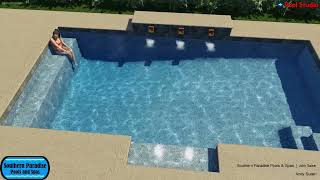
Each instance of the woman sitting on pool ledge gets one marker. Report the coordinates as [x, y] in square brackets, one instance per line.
[60, 47]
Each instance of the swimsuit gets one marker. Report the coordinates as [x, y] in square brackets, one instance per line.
[60, 43]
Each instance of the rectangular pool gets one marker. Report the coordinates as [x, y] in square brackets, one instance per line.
[186, 92]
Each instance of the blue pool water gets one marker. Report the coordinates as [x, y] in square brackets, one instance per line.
[198, 103]
[235, 94]
[241, 92]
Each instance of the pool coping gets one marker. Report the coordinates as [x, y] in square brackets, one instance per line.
[14, 140]
[23, 85]
[182, 19]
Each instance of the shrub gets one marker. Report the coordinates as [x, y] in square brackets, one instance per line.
[236, 8]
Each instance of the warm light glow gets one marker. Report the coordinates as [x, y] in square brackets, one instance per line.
[188, 153]
[158, 151]
[210, 46]
[150, 43]
[180, 45]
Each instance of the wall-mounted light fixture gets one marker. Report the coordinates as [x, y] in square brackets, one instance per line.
[180, 31]
[151, 29]
[211, 32]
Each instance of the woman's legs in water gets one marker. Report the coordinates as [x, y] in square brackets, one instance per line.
[71, 54]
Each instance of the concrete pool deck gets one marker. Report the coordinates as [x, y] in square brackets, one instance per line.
[25, 33]
[76, 156]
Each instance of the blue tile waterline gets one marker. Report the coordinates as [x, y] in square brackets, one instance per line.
[242, 93]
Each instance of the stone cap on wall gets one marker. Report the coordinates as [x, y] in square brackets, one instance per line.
[183, 19]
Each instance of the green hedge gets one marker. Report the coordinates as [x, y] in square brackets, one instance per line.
[236, 8]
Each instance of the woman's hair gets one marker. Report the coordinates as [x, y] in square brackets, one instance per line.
[56, 31]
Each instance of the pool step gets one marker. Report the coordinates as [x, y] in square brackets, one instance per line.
[316, 138]
[300, 132]
[170, 156]
[295, 137]
[312, 142]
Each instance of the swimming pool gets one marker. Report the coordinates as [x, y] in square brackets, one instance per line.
[184, 92]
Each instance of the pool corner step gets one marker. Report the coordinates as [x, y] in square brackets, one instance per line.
[295, 137]
[316, 138]
[170, 156]
[299, 133]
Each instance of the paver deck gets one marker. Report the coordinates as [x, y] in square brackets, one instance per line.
[93, 156]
